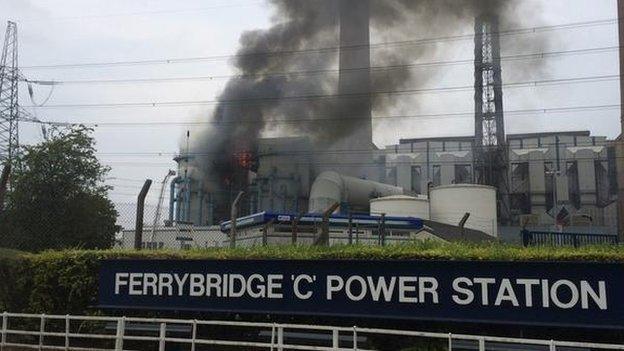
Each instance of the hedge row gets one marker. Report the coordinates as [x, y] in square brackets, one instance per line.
[60, 282]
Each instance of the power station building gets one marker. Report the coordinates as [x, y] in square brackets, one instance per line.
[541, 179]
[574, 169]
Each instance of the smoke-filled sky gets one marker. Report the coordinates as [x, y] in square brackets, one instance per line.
[76, 31]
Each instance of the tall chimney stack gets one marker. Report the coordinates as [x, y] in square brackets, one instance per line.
[354, 80]
[352, 155]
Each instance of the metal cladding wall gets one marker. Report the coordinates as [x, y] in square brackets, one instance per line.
[581, 294]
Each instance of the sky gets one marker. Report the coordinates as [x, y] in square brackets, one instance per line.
[68, 32]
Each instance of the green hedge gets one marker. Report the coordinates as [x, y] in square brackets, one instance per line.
[60, 282]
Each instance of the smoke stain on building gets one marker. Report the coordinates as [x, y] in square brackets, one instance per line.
[330, 115]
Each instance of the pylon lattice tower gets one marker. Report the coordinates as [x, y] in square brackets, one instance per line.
[9, 107]
[491, 166]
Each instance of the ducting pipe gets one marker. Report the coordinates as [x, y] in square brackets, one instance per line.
[331, 187]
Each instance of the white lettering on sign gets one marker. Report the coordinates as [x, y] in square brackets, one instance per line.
[561, 294]
[406, 289]
[297, 286]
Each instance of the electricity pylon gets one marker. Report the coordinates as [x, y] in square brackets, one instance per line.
[9, 107]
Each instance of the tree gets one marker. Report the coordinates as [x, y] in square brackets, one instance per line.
[58, 198]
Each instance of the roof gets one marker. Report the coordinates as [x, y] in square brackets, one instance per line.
[263, 218]
[401, 197]
[438, 139]
[580, 133]
[445, 232]
[449, 232]
[583, 133]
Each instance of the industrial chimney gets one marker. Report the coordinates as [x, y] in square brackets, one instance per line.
[354, 81]
[352, 155]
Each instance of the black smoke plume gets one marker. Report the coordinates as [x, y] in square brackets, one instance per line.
[304, 37]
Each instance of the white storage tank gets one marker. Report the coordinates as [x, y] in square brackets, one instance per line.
[449, 203]
[401, 206]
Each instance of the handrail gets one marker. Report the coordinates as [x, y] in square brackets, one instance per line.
[39, 339]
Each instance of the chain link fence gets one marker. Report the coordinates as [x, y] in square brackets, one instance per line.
[160, 232]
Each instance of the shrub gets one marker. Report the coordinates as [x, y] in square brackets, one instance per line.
[61, 282]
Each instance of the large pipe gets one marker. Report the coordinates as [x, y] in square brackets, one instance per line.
[187, 206]
[201, 208]
[172, 197]
[331, 187]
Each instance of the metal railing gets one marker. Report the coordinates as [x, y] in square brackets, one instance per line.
[34, 331]
[539, 238]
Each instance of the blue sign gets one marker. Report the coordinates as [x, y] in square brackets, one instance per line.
[530, 293]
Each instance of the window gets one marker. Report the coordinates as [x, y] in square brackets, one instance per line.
[549, 181]
[437, 175]
[613, 187]
[520, 188]
[602, 183]
[573, 184]
[391, 175]
[463, 174]
[416, 179]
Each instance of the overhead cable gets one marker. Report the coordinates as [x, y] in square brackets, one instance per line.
[330, 49]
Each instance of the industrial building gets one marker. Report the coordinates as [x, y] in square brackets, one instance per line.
[179, 237]
[574, 169]
[539, 180]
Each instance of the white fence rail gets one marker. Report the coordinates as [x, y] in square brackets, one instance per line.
[90, 333]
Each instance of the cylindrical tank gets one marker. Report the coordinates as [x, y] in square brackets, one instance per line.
[449, 203]
[401, 206]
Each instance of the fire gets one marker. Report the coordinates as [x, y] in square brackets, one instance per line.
[244, 159]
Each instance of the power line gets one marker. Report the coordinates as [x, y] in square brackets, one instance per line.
[435, 116]
[374, 69]
[142, 13]
[298, 98]
[470, 36]
[127, 179]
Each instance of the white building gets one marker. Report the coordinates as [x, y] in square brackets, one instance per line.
[176, 237]
[280, 229]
